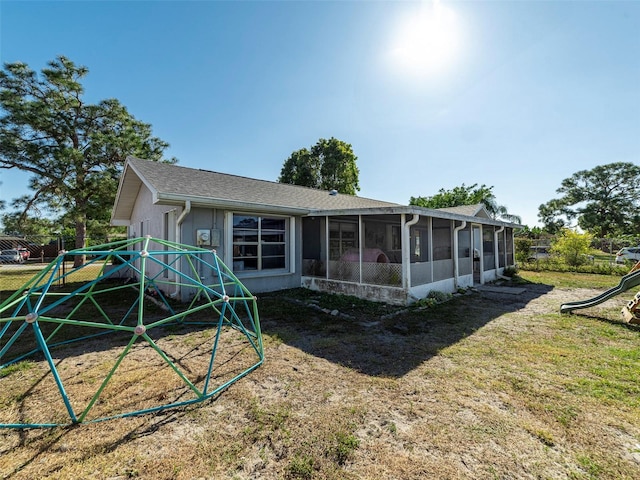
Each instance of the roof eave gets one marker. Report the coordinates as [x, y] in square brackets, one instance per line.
[199, 201]
[130, 179]
[428, 212]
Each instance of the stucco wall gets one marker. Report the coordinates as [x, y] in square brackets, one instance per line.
[376, 293]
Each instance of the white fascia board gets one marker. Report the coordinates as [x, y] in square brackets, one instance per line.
[198, 201]
[120, 223]
[412, 210]
[152, 189]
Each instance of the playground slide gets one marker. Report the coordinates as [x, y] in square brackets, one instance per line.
[630, 280]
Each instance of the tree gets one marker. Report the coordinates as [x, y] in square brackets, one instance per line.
[75, 150]
[605, 201]
[572, 247]
[16, 224]
[328, 165]
[522, 249]
[466, 195]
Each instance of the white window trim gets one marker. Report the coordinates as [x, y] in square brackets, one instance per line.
[290, 260]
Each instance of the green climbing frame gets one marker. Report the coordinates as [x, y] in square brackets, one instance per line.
[136, 300]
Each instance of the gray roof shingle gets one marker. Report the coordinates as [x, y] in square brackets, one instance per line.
[174, 180]
[174, 185]
[475, 210]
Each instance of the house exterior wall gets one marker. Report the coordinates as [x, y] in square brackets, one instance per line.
[354, 254]
[149, 219]
[375, 293]
[159, 221]
[421, 291]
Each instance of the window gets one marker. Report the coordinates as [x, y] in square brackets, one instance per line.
[259, 243]
[343, 237]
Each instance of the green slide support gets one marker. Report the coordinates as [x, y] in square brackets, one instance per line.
[630, 280]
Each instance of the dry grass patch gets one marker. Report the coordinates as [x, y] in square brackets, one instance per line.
[486, 385]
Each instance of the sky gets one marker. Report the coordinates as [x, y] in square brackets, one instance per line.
[514, 95]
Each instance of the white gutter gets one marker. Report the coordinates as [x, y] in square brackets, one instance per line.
[406, 247]
[175, 198]
[360, 248]
[179, 220]
[495, 248]
[456, 260]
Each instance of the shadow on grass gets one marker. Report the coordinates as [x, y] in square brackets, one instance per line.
[388, 345]
[115, 309]
[44, 441]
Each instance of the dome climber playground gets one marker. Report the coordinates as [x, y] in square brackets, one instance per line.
[142, 325]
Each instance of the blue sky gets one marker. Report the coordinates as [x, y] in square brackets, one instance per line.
[517, 95]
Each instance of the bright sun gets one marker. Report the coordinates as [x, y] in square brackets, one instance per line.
[426, 42]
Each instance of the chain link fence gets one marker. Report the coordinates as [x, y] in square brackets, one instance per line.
[21, 257]
[32, 248]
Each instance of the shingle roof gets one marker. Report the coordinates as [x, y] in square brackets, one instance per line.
[476, 210]
[169, 183]
[173, 185]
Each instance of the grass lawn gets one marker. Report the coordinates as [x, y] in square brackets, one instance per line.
[485, 385]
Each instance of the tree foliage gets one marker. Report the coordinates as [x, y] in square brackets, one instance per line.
[605, 201]
[17, 224]
[328, 165]
[466, 195]
[522, 249]
[74, 150]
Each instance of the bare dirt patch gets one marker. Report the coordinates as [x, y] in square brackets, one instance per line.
[487, 385]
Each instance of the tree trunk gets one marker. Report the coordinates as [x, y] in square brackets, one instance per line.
[81, 240]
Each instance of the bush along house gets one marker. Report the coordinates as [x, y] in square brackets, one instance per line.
[278, 236]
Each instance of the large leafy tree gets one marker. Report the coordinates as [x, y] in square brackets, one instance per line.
[74, 150]
[605, 201]
[328, 165]
[466, 195]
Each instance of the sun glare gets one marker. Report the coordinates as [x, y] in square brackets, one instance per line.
[426, 42]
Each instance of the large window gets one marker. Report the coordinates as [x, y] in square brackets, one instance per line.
[259, 243]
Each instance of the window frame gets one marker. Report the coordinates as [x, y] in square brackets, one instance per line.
[253, 241]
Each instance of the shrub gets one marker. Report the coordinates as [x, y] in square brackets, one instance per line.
[556, 265]
[522, 249]
[439, 297]
[573, 247]
[510, 271]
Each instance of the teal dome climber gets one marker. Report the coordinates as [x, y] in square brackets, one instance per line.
[143, 325]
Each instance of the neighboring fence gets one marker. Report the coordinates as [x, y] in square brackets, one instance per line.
[34, 251]
[35, 248]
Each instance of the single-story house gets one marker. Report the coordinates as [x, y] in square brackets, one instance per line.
[277, 236]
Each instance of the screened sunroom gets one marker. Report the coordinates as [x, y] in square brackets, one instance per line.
[400, 256]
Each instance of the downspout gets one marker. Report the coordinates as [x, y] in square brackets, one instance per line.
[456, 260]
[327, 273]
[179, 220]
[360, 249]
[406, 247]
[495, 247]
